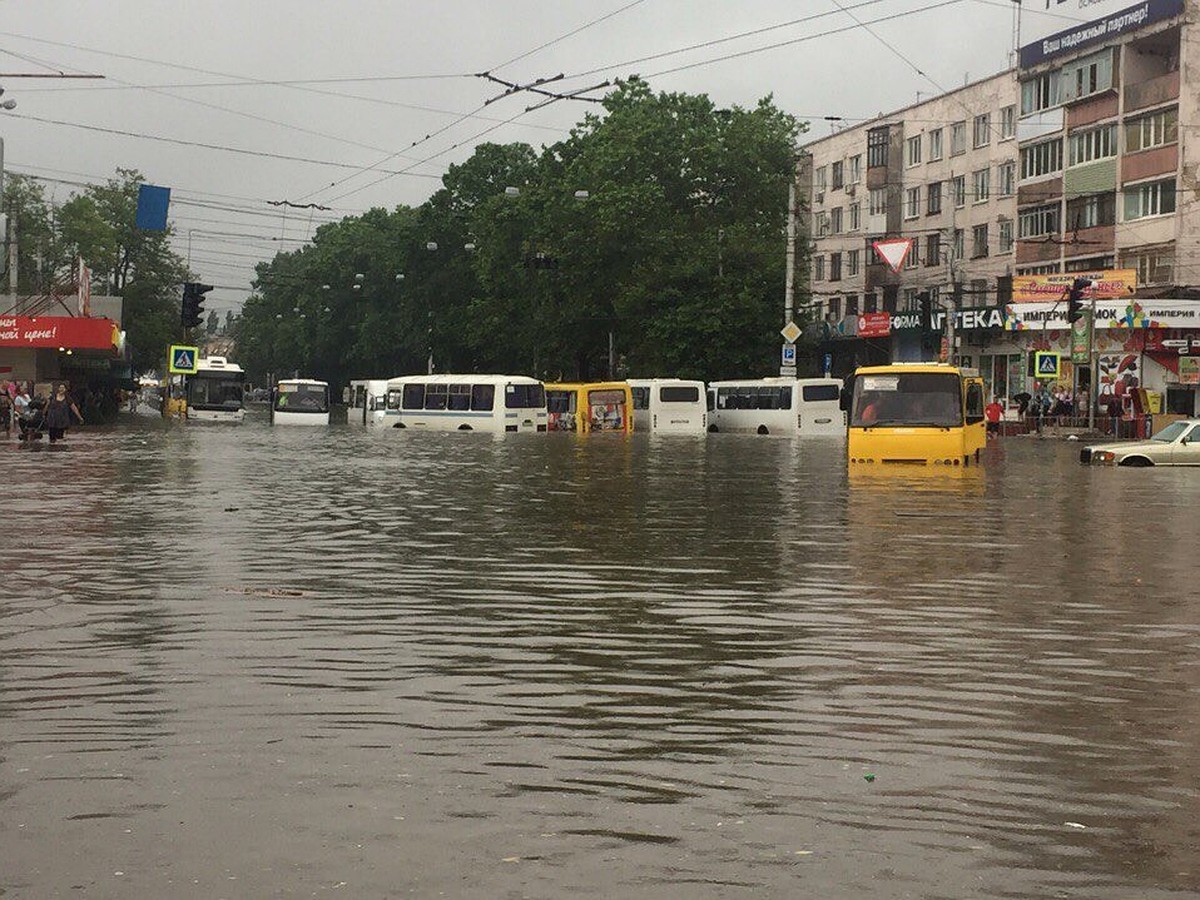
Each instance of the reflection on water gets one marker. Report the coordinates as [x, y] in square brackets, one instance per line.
[256, 662]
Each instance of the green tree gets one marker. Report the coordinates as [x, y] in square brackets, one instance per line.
[31, 223]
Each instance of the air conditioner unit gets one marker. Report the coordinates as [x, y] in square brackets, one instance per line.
[820, 197]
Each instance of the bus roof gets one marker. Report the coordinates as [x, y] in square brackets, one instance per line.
[895, 368]
[587, 385]
[305, 381]
[772, 382]
[467, 378]
[216, 364]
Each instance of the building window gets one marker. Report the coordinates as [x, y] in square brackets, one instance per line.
[1091, 145]
[851, 263]
[1006, 236]
[1041, 159]
[1040, 93]
[911, 261]
[852, 304]
[1087, 76]
[1153, 130]
[1006, 177]
[982, 130]
[835, 170]
[821, 226]
[855, 216]
[958, 138]
[818, 268]
[1049, 269]
[933, 249]
[835, 308]
[913, 151]
[877, 202]
[855, 169]
[819, 180]
[870, 304]
[933, 198]
[1008, 122]
[983, 185]
[1154, 199]
[935, 145]
[958, 187]
[1088, 212]
[910, 299]
[912, 203]
[1039, 221]
[958, 251]
[979, 241]
[1090, 264]
[877, 147]
[1153, 267]
[835, 267]
[835, 221]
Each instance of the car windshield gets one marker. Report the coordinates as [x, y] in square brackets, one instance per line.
[913, 399]
[1170, 433]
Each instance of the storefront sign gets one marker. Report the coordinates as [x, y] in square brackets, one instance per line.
[1189, 370]
[1118, 18]
[71, 333]
[1106, 285]
[1081, 339]
[1135, 314]
[984, 318]
[876, 324]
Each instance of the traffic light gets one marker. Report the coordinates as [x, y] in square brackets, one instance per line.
[191, 312]
[926, 300]
[1075, 299]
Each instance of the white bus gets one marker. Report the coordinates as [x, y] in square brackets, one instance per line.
[669, 406]
[214, 393]
[494, 403]
[803, 406]
[300, 401]
[367, 402]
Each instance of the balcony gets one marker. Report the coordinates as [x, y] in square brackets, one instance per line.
[1152, 91]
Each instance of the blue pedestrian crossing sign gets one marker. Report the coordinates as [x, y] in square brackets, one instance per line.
[182, 359]
[1046, 365]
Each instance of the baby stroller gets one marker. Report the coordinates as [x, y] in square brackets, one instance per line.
[32, 421]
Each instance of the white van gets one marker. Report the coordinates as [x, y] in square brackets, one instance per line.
[300, 401]
[802, 406]
[669, 406]
[366, 402]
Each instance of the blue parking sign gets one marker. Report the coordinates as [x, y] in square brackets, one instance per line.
[789, 354]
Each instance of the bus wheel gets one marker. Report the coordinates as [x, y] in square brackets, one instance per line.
[464, 427]
[713, 429]
[762, 429]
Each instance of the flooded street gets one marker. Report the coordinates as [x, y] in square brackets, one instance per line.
[255, 662]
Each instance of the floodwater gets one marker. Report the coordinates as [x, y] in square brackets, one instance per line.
[245, 662]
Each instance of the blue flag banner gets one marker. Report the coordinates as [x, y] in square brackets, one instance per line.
[152, 207]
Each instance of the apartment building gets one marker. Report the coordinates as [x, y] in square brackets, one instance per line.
[1108, 178]
[943, 173]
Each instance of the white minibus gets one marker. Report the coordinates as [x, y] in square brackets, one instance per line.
[300, 401]
[494, 403]
[367, 402]
[803, 406]
[669, 406]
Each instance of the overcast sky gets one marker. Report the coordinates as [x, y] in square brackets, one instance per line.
[149, 49]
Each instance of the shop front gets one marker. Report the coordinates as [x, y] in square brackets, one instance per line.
[42, 349]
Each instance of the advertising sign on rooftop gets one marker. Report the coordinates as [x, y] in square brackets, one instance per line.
[1051, 28]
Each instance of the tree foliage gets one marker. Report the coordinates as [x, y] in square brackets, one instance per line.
[99, 225]
[676, 248]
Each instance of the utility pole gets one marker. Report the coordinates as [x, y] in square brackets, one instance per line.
[1094, 365]
[789, 284]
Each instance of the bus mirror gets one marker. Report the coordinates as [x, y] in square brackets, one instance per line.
[844, 399]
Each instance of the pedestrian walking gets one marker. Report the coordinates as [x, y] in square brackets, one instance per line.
[993, 412]
[58, 413]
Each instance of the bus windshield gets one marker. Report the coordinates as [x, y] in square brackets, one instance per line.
[524, 396]
[301, 398]
[913, 399]
[214, 392]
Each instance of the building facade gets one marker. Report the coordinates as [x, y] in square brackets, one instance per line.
[1081, 159]
[941, 173]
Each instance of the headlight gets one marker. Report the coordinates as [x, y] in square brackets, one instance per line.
[1103, 457]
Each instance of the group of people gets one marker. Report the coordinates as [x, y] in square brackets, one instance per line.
[30, 413]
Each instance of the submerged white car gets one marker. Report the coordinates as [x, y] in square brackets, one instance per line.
[1176, 445]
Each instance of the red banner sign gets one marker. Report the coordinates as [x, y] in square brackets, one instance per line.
[876, 324]
[58, 331]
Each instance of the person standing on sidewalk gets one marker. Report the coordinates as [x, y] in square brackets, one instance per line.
[58, 413]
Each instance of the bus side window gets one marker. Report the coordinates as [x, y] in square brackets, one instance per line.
[641, 398]
[414, 396]
[974, 403]
[483, 397]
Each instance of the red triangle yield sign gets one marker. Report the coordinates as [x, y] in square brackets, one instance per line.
[893, 252]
